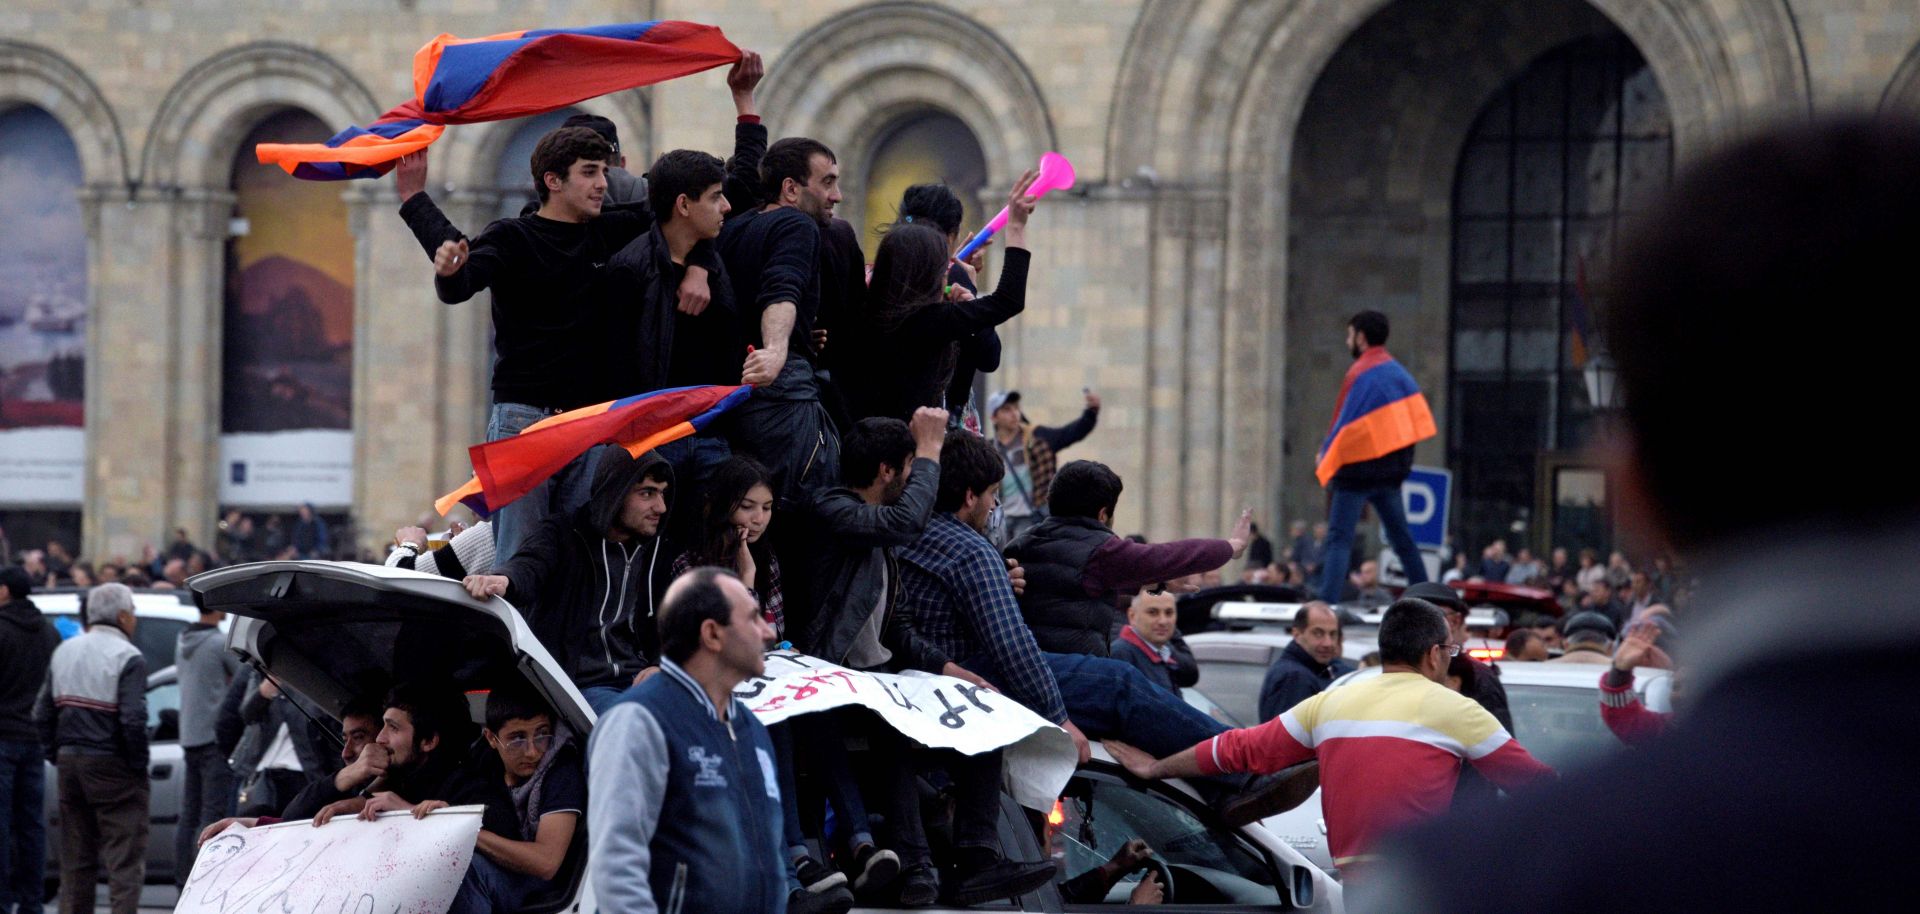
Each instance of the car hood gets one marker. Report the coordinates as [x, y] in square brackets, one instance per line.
[335, 630]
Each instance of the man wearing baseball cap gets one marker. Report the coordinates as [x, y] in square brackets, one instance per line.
[1031, 455]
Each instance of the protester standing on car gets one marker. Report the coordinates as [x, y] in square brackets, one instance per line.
[1368, 452]
[1305, 668]
[93, 723]
[1390, 747]
[27, 642]
[683, 802]
[204, 667]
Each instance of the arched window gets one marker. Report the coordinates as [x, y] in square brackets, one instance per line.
[287, 374]
[1553, 165]
[43, 331]
[922, 148]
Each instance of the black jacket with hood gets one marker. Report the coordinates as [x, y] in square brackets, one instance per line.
[591, 600]
[27, 641]
[853, 562]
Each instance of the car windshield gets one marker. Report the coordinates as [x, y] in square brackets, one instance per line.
[1559, 725]
[163, 697]
[1206, 705]
[1101, 816]
[155, 637]
[1235, 687]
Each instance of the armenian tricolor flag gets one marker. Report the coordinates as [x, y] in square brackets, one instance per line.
[1380, 410]
[509, 468]
[513, 74]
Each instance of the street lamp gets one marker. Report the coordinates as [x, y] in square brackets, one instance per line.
[1602, 379]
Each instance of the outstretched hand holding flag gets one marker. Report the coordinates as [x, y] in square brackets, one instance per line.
[513, 74]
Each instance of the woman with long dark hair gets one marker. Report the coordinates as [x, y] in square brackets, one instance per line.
[915, 318]
[731, 533]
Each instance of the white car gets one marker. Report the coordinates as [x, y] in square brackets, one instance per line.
[1556, 716]
[1234, 664]
[330, 630]
[163, 614]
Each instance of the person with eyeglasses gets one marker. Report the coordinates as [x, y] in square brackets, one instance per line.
[1390, 746]
[542, 769]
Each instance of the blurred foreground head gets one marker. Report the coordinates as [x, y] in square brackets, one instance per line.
[1756, 316]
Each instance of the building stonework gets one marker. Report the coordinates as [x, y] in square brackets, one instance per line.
[1251, 173]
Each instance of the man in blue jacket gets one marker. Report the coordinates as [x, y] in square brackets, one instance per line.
[683, 802]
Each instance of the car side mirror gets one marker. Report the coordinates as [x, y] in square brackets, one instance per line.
[168, 729]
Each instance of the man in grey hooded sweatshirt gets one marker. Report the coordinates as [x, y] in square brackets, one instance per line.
[588, 583]
[204, 667]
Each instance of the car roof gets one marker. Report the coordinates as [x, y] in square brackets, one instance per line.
[163, 604]
[335, 630]
[1559, 675]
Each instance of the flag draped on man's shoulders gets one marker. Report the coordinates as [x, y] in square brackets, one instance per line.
[509, 75]
[509, 468]
[1380, 410]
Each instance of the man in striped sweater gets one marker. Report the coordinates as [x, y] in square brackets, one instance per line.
[1389, 747]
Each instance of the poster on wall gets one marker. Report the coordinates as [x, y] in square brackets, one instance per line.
[287, 373]
[43, 314]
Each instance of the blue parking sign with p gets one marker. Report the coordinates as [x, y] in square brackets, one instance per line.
[1425, 498]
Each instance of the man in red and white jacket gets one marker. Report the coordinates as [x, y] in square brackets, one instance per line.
[1389, 747]
[1632, 722]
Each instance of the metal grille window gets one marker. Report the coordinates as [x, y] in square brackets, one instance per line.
[1553, 164]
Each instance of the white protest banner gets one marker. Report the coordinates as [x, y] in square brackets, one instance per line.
[938, 711]
[395, 864]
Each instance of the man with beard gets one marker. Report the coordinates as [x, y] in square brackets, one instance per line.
[426, 734]
[1368, 452]
[589, 582]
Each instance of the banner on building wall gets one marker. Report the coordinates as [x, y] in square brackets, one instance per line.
[347, 866]
[43, 314]
[937, 711]
[287, 347]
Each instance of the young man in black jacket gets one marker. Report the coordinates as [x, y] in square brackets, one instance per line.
[589, 581]
[657, 340]
[27, 641]
[543, 270]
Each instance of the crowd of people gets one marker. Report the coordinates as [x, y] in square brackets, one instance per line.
[858, 509]
[301, 534]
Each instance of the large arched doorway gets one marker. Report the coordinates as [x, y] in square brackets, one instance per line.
[1552, 165]
[287, 334]
[925, 147]
[43, 333]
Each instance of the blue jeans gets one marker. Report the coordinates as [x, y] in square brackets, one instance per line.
[23, 830]
[490, 887]
[1111, 698]
[600, 698]
[819, 746]
[564, 492]
[694, 458]
[1341, 518]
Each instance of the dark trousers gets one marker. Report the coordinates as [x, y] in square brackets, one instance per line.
[974, 787]
[206, 797]
[23, 828]
[103, 821]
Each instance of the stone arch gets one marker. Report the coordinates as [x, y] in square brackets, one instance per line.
[218, 101]
[1902, 95]
[1209, 111]
[859, 73]
[466, 156]
[37, 76]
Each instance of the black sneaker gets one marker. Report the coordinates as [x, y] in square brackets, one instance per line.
[997, 880]
[1270, 794]
[817, 877]
[874, 868]
[919, 887]
[836, 900]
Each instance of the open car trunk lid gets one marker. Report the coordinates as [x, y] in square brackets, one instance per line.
[336, 630]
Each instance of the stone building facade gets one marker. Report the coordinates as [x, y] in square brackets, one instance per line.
[1251, 173]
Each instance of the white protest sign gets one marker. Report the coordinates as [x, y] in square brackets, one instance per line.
[937, 711]
[395, 864]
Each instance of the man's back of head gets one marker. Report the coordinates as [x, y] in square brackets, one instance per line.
[1708, 319]
[873, 443]
[1084, 488]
